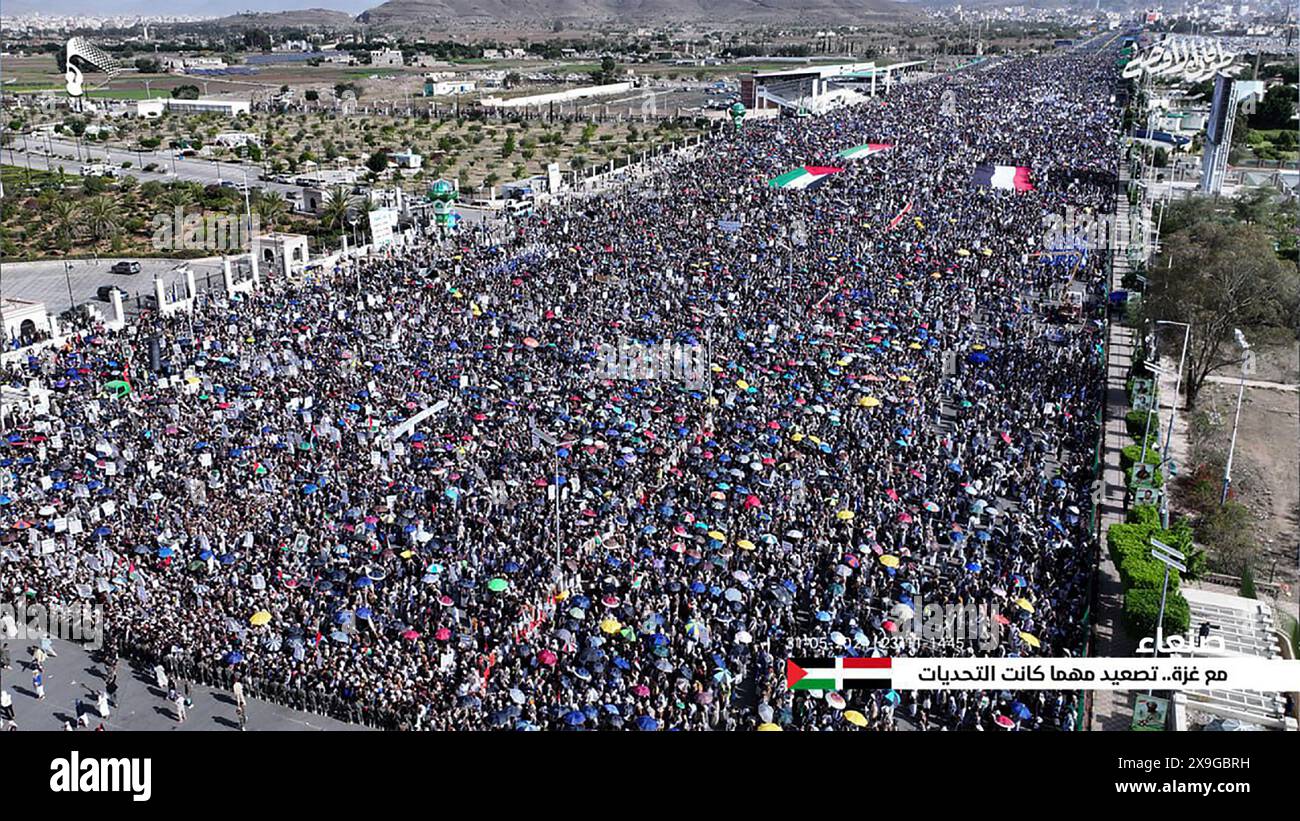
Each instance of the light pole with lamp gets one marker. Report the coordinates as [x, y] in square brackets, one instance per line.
[1241, 392]
[1173, 405]
[555, 444]
[1171, 559]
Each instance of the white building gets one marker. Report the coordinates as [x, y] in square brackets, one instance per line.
[387, 58]
[209, 105]
[235, 139]
[283, 253]
[449, 87]
[406, 160]
[22, 319]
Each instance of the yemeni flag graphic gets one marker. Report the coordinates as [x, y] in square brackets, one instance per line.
[805, 176]
[864, 150]
[838, 674]
[1005, 177]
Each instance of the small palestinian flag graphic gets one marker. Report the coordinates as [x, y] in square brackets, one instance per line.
[864, 150]
[1005, 177]
[805, 176]
[838, 674]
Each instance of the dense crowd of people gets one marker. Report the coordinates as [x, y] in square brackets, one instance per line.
[893, 413]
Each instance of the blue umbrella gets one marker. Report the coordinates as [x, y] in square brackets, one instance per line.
[234, 657]
[973, 567]
[647, 723]
[574, 718]
[165, 552]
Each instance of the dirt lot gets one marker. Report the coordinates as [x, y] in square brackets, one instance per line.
[1266, 466]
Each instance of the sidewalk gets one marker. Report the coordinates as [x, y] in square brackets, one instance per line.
[1114, 710]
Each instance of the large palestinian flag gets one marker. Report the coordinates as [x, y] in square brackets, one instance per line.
[838, 674]
[864, 150]
[1006, 177]
[805, 176]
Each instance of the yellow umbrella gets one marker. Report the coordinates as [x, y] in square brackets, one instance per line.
[869, 402]
[844, 515]
[745, 544]
[904, 378]
[889, 561]
[977, 347]
[562, 595]
[1024, 604]
[797, 437]
[742, 384]
[916, 346]
[855, 718]
[611, 626]
[716, 368]
[768, 728]
[988, 252]
[406, 554]
[717, 534]
[260, 618]
[1030, 639]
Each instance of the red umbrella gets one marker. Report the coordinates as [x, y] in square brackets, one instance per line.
[1005, 722]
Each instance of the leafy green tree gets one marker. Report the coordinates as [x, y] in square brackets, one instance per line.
[1218, 276]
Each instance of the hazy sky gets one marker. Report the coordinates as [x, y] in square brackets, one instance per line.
[204, 8]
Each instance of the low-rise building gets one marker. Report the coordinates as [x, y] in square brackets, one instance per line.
[386, 58]
[204, 105]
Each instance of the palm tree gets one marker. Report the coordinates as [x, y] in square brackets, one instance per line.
[271, 208]
[177, 197]
[337, 207]
[102, 217]
[65, 215]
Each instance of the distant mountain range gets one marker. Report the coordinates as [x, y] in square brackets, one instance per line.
[298, 18]
[444, 14]
[409, 12]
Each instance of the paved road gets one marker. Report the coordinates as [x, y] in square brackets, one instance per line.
[48, 282]
[67, 154]
[1253, 383]
[72, 675]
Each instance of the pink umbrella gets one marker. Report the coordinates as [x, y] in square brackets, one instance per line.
[411, 635]
[641, 690]
[444, 600]
[547, 657]
[529, 342]
[443, 634]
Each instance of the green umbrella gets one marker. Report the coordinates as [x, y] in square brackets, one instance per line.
[497, 585]
[117, 387]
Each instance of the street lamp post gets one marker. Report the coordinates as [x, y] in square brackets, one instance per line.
[67, 275]
[1173, 410]
[1172, 560]
[555, 444]
[1241, 392]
